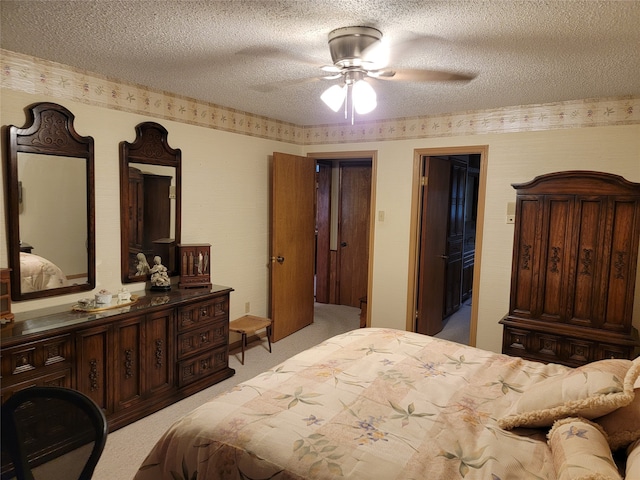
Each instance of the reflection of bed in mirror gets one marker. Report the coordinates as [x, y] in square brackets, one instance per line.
[37, 273]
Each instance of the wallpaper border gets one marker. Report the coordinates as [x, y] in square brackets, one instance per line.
[36, 76]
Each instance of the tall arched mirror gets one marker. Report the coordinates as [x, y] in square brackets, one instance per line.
[150, 198]
[50, 193]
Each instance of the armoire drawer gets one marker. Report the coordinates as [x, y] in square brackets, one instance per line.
[515, 341]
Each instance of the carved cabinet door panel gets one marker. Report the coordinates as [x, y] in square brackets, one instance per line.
[93, 365]
[127, 385]
[555, 255]
[159, 362]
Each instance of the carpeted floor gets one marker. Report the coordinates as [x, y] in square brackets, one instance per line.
[456, 327]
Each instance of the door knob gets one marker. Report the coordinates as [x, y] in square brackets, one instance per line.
[444, 257]
[343, 244]
[279, 259]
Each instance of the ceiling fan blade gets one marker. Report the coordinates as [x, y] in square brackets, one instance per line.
[411, 75]
[273, 86]
[279, 54]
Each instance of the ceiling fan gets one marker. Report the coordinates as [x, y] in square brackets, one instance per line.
[358, 53]
[360, 49]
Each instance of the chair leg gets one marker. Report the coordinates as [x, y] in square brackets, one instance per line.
[269, 337]
[244, 343]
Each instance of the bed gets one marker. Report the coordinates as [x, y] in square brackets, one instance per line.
[387, 404]
[38, 273]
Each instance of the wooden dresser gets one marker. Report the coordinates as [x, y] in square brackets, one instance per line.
[574, 267]
[133, 360]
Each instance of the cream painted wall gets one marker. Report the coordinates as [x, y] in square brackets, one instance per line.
[224, 198]
[225, 202]
[512, 157]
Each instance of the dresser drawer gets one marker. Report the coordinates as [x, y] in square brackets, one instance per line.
[212, 335]
[36, 358]
[202, 365]
[192, 316]
[55, 379]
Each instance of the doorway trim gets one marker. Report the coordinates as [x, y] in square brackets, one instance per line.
[414, 245]
[358, 155]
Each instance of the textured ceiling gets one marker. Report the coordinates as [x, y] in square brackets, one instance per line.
[224, 52]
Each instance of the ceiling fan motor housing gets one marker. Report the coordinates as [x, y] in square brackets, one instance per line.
[349, 45]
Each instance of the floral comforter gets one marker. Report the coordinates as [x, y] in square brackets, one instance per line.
[368, 404]
[38, 273]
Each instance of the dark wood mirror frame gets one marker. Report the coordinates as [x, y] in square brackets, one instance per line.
[149, 148]
[49, 131]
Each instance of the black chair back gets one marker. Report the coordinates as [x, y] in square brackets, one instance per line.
[43, 425]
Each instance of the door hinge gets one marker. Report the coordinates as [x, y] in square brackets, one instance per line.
[424, 181]
[417, 314]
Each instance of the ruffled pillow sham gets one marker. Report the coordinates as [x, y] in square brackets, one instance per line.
[589, 391]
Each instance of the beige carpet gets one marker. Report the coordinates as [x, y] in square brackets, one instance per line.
[127, 447]
[457, 326]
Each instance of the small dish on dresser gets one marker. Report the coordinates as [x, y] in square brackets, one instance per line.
[85, 302]
[103, 297]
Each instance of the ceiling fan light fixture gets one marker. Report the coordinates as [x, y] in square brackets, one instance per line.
[334, 96]
[364, 97]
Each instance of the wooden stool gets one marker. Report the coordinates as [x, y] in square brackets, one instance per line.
[250, 324]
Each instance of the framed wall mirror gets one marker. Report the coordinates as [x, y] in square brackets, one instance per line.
[150, 199]
[50, 205]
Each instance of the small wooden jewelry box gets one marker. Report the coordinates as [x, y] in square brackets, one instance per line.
[194, 260]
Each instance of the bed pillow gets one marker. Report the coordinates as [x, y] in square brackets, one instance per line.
[633, 461]
[580, 450]
[623, 425]
[589, 391]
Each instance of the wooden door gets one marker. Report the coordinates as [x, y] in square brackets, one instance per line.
[455, 237]
[323, 232]
[433, 244]
[292, 243]
[353, 232]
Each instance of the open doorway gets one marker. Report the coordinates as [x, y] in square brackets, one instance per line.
[446, 231]
[344, 228]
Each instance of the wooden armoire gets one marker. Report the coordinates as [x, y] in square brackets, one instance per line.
[573, 277]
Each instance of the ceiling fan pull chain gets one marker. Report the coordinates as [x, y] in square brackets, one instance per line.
[346, 103]
[352, 104]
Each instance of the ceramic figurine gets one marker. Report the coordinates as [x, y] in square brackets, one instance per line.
[143, 266]
[159, 276]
